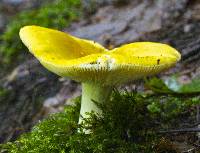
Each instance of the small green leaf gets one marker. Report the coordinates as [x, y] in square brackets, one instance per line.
[173, 85]
[157, 85]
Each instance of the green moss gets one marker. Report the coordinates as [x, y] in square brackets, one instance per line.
[58, 14]
[127, 125]
[3, 92]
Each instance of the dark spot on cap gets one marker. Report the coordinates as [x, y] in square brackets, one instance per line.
[94, 62]
[158, 61]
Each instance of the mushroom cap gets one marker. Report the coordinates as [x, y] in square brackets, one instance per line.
[87, 61]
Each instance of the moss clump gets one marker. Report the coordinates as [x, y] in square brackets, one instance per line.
[3, 92]
[57, 14]
[126, 126]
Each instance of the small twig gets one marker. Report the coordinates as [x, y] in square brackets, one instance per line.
[189, 151]
[181, 130]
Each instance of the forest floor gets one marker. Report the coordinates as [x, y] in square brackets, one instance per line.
[174, 22]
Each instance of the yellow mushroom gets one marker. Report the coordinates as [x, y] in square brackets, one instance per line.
[97, 68]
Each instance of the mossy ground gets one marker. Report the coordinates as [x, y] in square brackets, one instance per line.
[130, 123]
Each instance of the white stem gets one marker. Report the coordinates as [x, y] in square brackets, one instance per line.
[90, 93]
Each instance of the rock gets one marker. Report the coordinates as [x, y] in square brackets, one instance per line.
[90, 6]
[26, 88]
[69, 90]
[128, 24]
[100, 32]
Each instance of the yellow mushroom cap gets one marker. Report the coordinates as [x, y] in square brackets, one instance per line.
[87, 61]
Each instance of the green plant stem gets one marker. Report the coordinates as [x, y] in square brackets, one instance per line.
[91, 93]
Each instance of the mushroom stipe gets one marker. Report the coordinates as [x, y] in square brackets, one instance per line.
[97, 68]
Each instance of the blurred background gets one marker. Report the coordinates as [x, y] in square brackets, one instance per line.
[28, 92]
